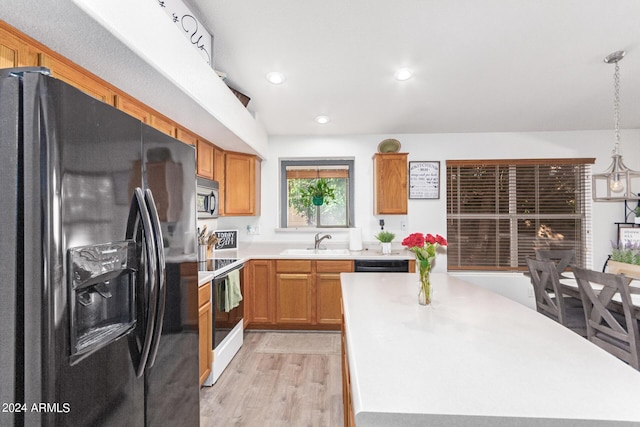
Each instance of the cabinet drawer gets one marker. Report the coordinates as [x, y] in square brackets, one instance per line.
[204, 294]
[293, 266]
[334, 266]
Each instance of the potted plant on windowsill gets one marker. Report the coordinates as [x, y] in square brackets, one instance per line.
[385, 238]
[317, 193]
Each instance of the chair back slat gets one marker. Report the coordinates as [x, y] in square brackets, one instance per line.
[615, 332]
[546, 287]
[562, 258]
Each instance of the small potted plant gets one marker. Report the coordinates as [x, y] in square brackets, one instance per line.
[636, 211]
[385, 238]
[318, 193]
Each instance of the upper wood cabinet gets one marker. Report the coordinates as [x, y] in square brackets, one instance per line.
[241, 184]
[205, 159]
[186, 137]
[219, 175]
[163, 125]
[390, 183]
[76, 76]
[15, 52]
[133, 107]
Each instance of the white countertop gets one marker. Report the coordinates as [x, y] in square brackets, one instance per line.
[473, 358]
[274, 251]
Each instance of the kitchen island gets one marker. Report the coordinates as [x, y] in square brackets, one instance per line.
[472, 358]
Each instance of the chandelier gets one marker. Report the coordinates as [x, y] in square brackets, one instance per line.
[617, 182]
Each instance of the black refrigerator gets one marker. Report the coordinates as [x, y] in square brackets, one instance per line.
[98, 299]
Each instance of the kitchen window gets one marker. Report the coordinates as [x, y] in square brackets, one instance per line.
[299, 174]
[500, 211]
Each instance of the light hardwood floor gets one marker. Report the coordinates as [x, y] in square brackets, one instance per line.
[278, 379]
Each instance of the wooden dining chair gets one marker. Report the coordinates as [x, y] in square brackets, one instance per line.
[562, 258]
[615, 332]
[550, 300]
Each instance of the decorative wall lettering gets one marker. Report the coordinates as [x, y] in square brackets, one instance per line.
[189, 25]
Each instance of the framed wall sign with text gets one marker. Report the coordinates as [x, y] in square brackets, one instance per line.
[424, 180]
[227, 239]
[628, 235]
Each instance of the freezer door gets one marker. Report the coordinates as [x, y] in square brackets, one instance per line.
[9, 205]
[80, 158]
[172, 380]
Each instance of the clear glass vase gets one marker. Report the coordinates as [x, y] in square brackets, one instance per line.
[424, 294]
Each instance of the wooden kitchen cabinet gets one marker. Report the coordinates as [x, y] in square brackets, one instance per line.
[347, 402]
[204, 154]
[390, 183]
[186, 137]
[205, 334]
[219, 175]
[77, 77]
[15, 51]
[241, 184]
[163, 124]
[294, 293]
[328, 291]
[132, 107]
[260, 293]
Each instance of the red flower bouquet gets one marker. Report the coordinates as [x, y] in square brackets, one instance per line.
[424, 247]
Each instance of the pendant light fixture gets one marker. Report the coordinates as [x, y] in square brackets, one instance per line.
[618, 182]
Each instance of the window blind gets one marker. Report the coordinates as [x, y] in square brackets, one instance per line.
[500, 211]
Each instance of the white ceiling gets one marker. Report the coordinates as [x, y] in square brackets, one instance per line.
[480, 65]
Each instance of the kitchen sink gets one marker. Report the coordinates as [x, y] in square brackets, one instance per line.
[316, 252]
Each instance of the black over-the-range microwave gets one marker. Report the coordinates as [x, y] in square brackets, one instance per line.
[207, 198]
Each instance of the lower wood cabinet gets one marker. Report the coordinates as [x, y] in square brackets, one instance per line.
[259, 294]
[294, 294]
[294, 299]
[205, 334]
[347, 403]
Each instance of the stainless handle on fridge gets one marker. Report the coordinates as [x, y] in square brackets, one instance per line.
[138, 207]
[160, 278]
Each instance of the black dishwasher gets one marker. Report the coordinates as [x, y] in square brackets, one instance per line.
[381, 265]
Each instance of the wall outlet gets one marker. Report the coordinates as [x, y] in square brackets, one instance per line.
[403, 225]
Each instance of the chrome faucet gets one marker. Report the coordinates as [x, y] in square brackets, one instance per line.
[319, 239]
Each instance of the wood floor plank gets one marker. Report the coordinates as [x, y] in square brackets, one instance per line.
[276, 389]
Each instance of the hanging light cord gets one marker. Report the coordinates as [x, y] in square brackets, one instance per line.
[616, 107]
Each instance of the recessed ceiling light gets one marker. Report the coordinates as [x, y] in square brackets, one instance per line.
[403, 74]
[322, 120]
[275, 77]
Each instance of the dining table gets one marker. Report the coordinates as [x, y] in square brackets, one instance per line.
[472, 358]
[569, 286]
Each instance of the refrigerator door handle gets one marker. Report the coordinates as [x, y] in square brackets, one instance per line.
[138, 207]
[161, 276]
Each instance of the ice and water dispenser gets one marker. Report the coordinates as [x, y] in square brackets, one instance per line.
[101, 295]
